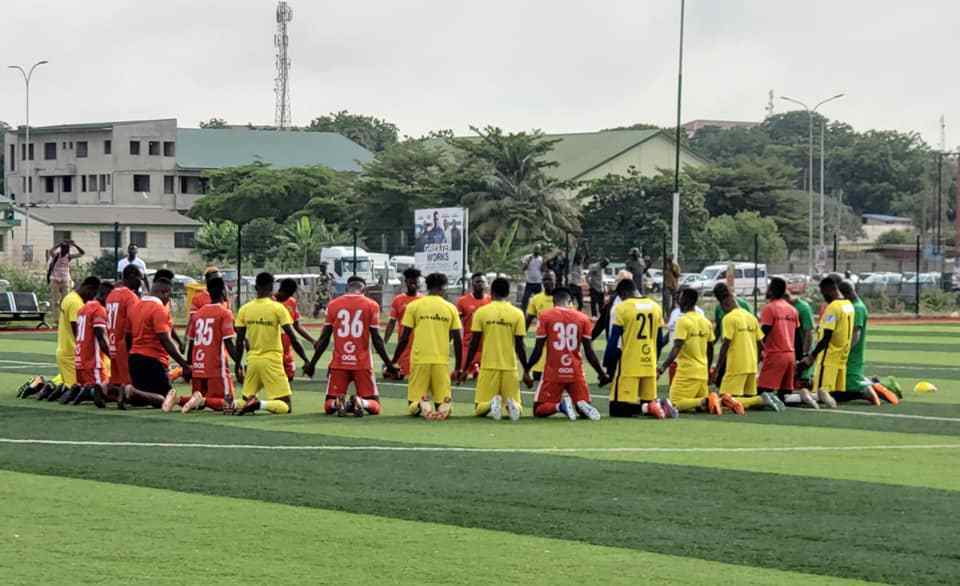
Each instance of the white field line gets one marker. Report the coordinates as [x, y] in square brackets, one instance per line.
[375, 448]
[873, 414]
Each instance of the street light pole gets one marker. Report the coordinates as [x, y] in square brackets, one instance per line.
[27, 75]
[675, 222]
[810, 191]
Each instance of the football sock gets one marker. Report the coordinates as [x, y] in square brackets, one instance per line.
[330, 406]
[545, 409]
[687, 404]
[371, 405]
[753, 402]
[276, 407]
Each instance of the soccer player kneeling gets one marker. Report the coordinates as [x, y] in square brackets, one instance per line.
[635, 340]
[210, 339]
[353, 321]
[260, 323]
[433, 323]
[92, 351]
[737, 364]
[833, 346]
[693, 352]
[499, 327]
[560, 333]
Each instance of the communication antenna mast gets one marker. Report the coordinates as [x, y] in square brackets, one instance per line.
[281, 87]
[769, 107]
[943, 133]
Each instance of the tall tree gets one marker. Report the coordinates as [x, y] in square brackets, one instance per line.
[372, 133]
[214, 123]
[304, 237]
[734, 237]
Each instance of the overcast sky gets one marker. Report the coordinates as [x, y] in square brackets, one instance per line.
[560, 65]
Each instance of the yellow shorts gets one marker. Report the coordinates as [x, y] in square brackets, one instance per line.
[67, 369]
[633, 389]
[429, 379]
[688, 388]
[829, 378]
[266, 374]
[491, 383]
[739, 385]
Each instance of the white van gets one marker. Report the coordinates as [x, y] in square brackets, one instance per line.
[744, 274]
[340, 261]
[402, 263]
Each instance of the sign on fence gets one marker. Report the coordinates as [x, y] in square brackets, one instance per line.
[441, 241]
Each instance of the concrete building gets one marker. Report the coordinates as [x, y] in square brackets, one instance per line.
[695, 126]
[142, 174]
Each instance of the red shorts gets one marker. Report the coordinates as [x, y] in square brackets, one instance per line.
[338, 381]
[120, 368]
[212, 387]
[289, 366]
[552, 391]
[777, 372]
[92, 376]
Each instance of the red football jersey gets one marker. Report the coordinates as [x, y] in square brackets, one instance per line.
[351, 316]
[564, 328]
[291, 305]
[399, 305]
[86, 352]
[119, 303]
[784, 321]
[467, 305]
[149, 318]
[211, 325]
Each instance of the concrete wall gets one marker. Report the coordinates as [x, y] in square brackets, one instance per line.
[657, 153]
[156, 166]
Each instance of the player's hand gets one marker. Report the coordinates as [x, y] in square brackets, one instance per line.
[309, 370]
[603, 380]
[459, 376]
[187, 373]
[804, 362]
[239, 372]
[392, 369]
[659, 372]
[527, 379]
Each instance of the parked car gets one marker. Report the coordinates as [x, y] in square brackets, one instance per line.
[796, 283]
[694, 281]
[747, 275]
[877, 283]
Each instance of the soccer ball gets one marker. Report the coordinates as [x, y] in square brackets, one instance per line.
[924, 387]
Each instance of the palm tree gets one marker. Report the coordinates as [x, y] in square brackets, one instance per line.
[304, 236]
[502, 253]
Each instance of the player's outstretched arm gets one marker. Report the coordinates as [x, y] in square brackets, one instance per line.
[537, 353]
[391, 324]
[231, 349]
[520, 348]
[675, 351]
[380, 348]
[167, 342]
[457, 348]
[101, 335]
[176, 338]
[298, 348]
[820, 347]
[722, 360]
[602, 378]
[320, 346]
[475, 347]
[611, 356]
[401, 345]
[303, 332]
[661, 340]
[241, 345]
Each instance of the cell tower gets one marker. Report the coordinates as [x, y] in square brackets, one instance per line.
[281, 85]
[769, 106]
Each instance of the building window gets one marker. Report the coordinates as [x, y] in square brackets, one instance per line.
[141, 183]
[48, 186]
[109, 239]
[23, 152]
[82, 149]
[108, 147]
[61, 235]
[30, 184]
[134, 147]
[168, 183]
[139, 239]
[67, 182]
[92, 183]
[169, 149]
[83, 183]
[3, 242]
[13, 157]
[30, 151]
[49, 151]
[153, 148]
[104, 182]
[184, 240]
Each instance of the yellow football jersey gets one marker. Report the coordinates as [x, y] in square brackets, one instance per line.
[432, 319]
[838, 318]
[263, 318]
[537, 305]
[641, 319]
[499, 322]
[743, 331]
[696, 332]
[69, 308]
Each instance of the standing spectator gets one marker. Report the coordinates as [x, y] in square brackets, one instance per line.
[324, 290]
[58, 273]
[533, 267]
[133, 259]
[636, 267]
[671, 282]
[595, 284]
[559, 265]
[576, 279]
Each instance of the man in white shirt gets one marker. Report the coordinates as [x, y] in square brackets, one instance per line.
[533, 269]
[133, 259]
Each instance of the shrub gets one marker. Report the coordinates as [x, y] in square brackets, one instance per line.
[22, 279]
[896, 238]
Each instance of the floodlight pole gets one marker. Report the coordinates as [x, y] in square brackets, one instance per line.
[27, 76]
[675, 222]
